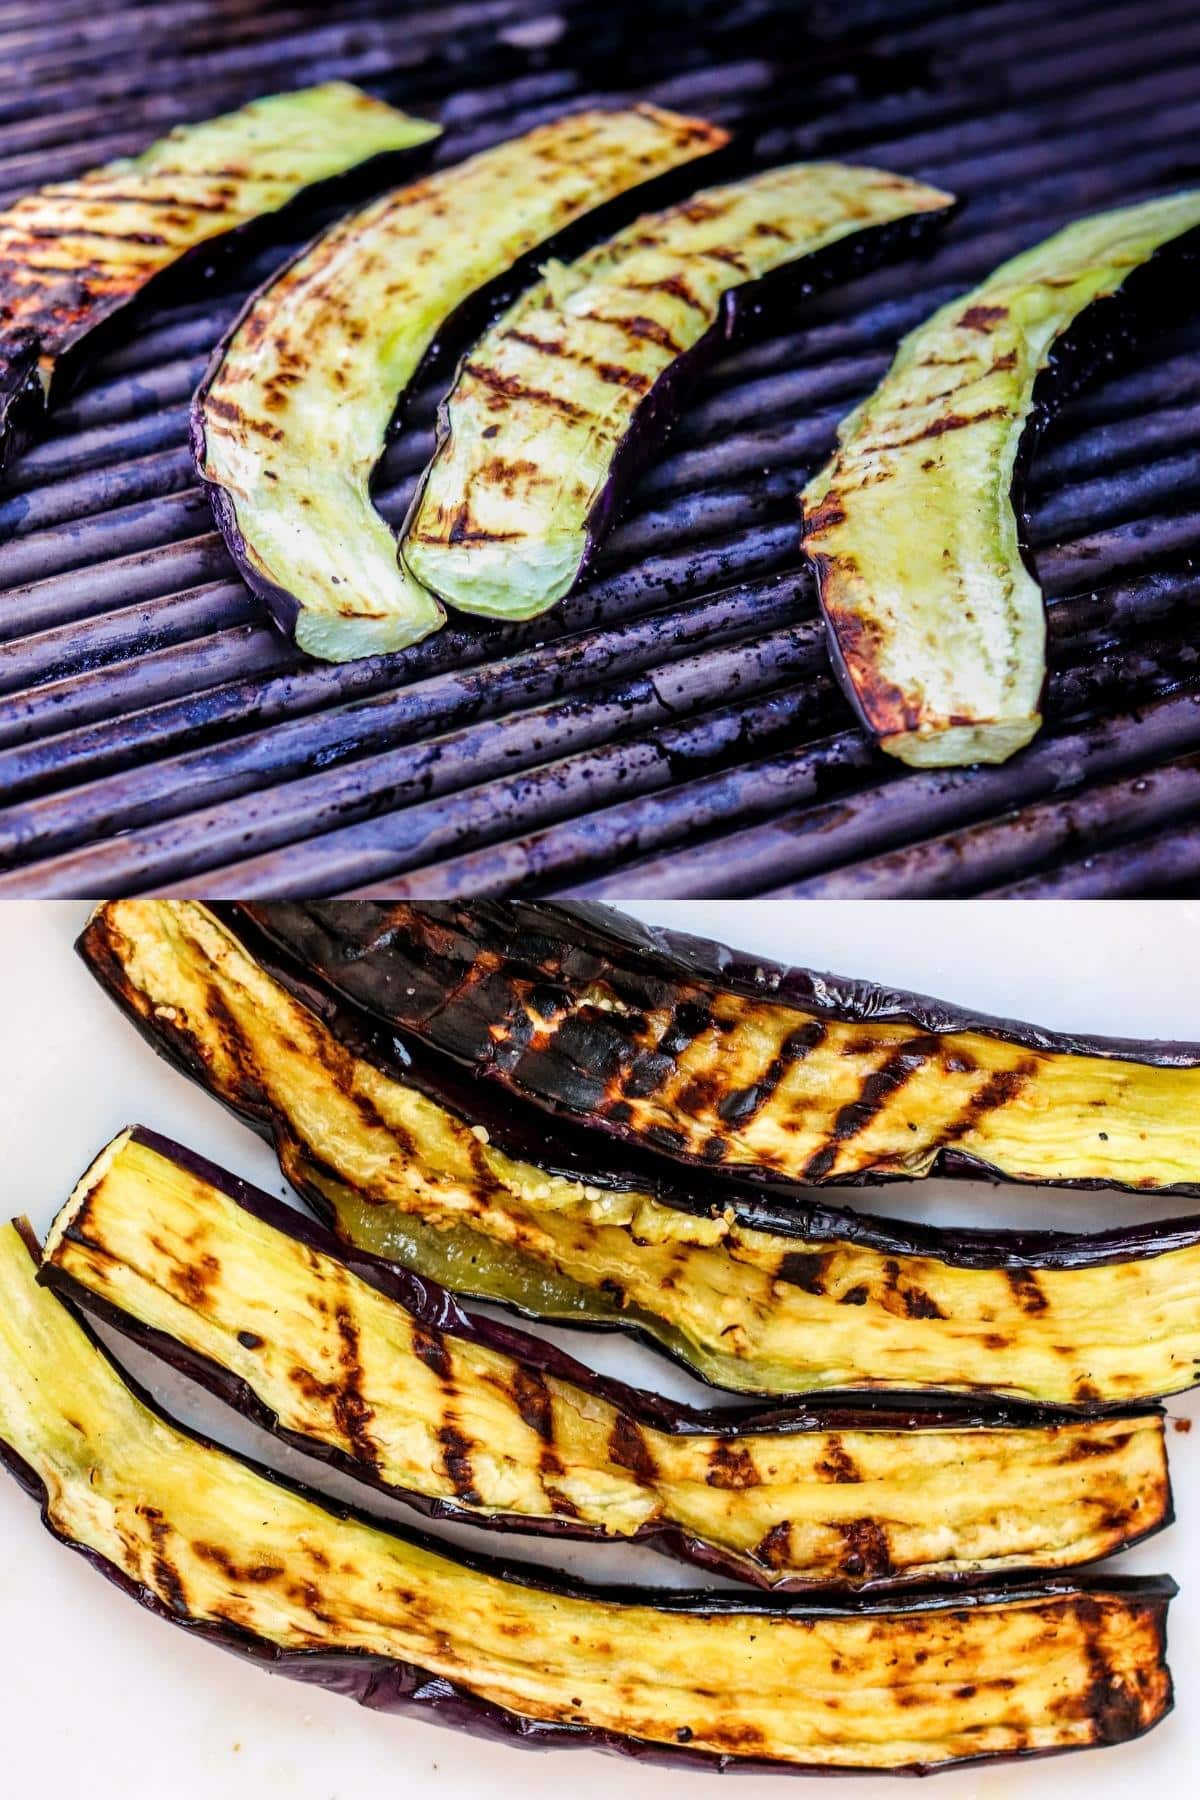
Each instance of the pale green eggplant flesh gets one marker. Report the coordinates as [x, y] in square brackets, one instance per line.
[234, 1281]
[293, 415]
[74, 253]
[263, 1567]
[937, 626]
[760, 1311]
[574, 374]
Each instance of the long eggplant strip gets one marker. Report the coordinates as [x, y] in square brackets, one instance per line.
[293, 414]
[385, 1376]
[754, 1299]
[74, 254]
[215, 1543]
[699, 1054]
[936, 626]
[566, 396]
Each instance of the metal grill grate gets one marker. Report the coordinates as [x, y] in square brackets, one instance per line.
[673, 728]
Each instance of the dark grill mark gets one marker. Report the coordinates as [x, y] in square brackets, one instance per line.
[868, 1553]
[855, 1296]
[837, 1464]
[803, 1269]
[731, 1466]
[533, 1401]
[806, 1038]
[739, 1107]
[350, 1409]
[507, 387]
[169, 1580]
[1026, 1291]
[456, 1456]
[628, 1447]
[881, 1086]
[998, 1090]
[249, 1340]
[431, 1348]
[775, 1548]
[819, 1164]
[982, 318]
[920, 1305]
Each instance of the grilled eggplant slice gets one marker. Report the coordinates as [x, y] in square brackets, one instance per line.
[753, 1297]
[557, 406]
[691, 1051]
[937, 626]
[385, 1376]
[292, 417]
[75, 254]
[222, 1547]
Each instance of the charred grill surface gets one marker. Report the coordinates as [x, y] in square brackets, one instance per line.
[209, 1540]
[751, 1295]
[694, 1052]
[673, 728]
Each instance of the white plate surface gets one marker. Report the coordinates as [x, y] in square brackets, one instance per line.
[99, 1699]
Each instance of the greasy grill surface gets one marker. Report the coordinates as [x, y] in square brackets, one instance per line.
[673, 728]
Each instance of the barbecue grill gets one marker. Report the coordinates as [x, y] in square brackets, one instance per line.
[674, 728]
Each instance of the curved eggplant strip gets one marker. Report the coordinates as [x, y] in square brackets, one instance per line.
[261, 1566]
[754, 1298]
[559, 404]
[293, 414]
[936, 625]
[701, 1055]
[76, 254]
[385, 1376]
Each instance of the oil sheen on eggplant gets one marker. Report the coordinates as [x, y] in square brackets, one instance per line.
[754, 1299]
[218, 1545]
[787, 1076]
[386, 1377]
[557, 405]
[75, 253]
[937, 626]
[292, 417]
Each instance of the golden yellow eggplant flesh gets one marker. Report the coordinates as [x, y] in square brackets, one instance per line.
[483, 1422]
[829, 1301]
[217, 1545]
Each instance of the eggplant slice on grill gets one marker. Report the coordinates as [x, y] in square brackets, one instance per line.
[293, 415]
[384, 1375]
[75, 254]
[265, 1568]
[444, 1176]
[697, 1054]
[936, 625]
[558, 405]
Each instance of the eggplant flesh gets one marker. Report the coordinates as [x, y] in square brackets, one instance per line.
[936, 625]
[557, 404]
[385, 1377]
[293, 415]
[755, 1299]
[790, 1077]
[219, 1545]
[74, 254]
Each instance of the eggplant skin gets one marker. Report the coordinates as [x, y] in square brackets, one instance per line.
[443, 1175]
[789, 1078]
[75, 255]
[936, 626]
[465, 1419]
[262, 1566]
[292, 416]
[558, 405]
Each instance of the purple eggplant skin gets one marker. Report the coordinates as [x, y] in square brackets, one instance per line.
[386, 1685]
[433, 1306]
[560, 1147]
[22, 399]
[366, 953]
[743, 312]
[457, 332]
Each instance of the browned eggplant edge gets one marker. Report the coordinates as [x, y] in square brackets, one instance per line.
[23, 402]
[388, 1685]
[458, 330]
[560, 1147]
[437, 1309]
[646, 963]
[744, 311]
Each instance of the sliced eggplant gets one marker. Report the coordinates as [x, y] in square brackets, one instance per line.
[265, 1568]
[385, 1376]
[74, 254]
[752, 1296]
[556, 407]
[292, 417]
[936, 624]
[690, 1051]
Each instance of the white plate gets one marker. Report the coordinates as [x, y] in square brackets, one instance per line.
[99, 1699]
